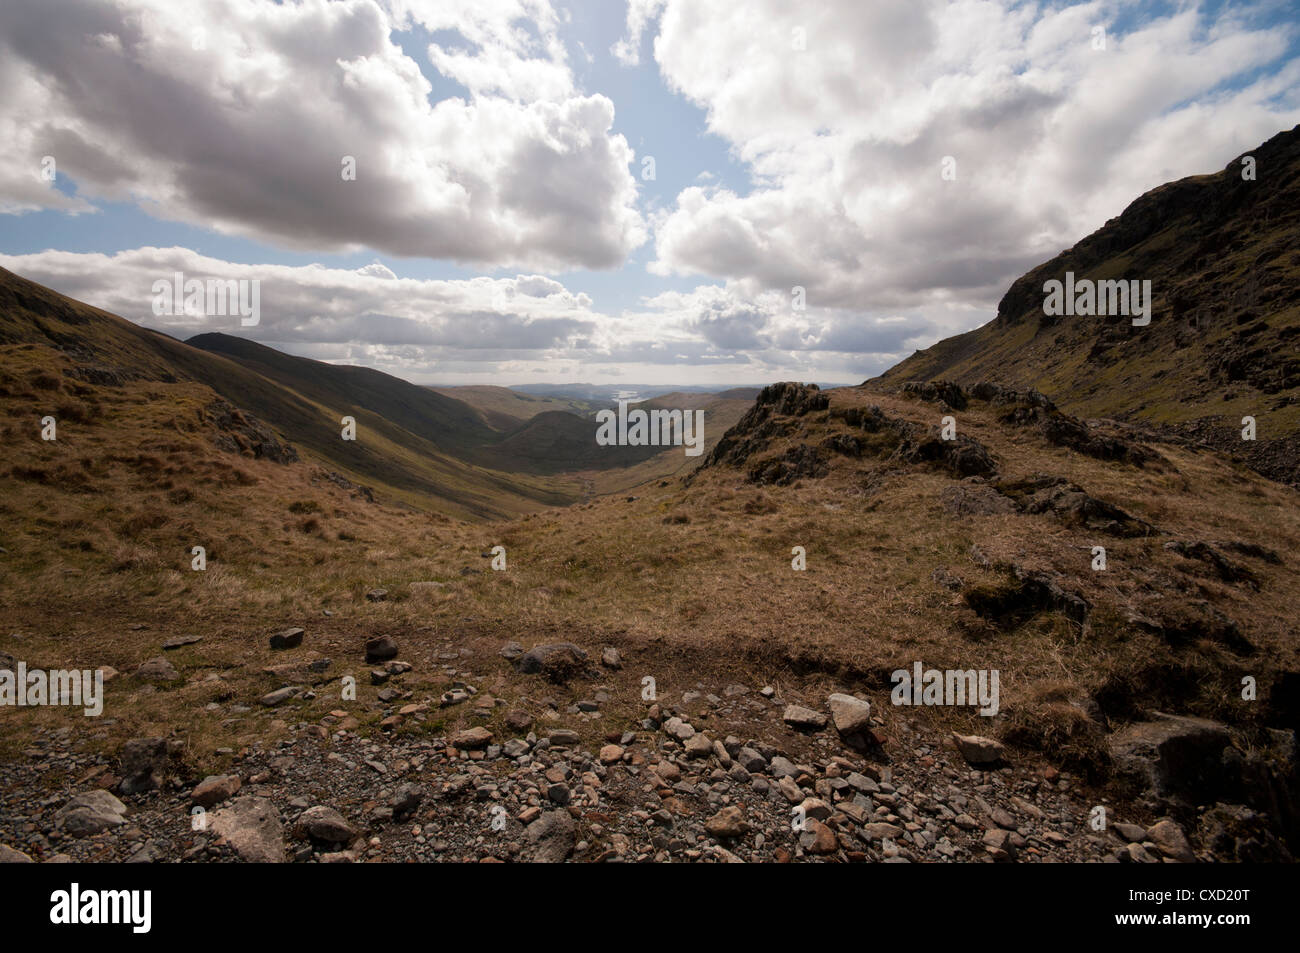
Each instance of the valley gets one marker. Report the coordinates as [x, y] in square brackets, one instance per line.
[427, 688]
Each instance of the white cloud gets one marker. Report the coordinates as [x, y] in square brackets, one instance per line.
[377, 270]
[477, 329]
[237, 115]
[639, 15]
[511, 47]
[845, 138]
[313, 305]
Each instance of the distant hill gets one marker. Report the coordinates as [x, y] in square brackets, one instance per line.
[556, 442]
[1222, 255]
[300, 400]
[446, 423]
[499, 453]
[604, 393]
[503, 408]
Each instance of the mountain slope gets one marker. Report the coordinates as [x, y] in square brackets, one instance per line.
[556, 442]
[557, 439]
[105, 352]
[444, 422]
[971, 555]
[1224, 263]
[504, 408]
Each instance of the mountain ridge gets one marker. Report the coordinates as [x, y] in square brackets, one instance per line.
[1221, 253]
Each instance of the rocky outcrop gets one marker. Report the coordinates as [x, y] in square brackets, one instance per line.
[775, 414]
[1171, 756]
[945, 393]
[796, 463]
[1029, 592]
[237, 431]
[1070, 503]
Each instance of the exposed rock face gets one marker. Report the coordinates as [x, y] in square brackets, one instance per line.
[1234, 831]
[975, 499]
[1069, 502]
[943, 392]
[240, 432]
[1181, 622]
[102, 376]
[964, 457]
[1171, 755]
[358, 490]
[1062, 430]
[773, 415]
[791, 399]
[1030, 593]
[1211, 204]
[794, 464]
[1225, 297]
[1029, 408]
[1224, 568]
[1030, 399]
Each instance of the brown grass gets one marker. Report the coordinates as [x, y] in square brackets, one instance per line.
[693, 584]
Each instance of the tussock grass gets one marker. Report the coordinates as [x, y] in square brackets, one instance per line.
[693, 583]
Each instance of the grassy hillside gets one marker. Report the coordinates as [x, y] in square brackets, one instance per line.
[504, 409]
[1222, 257]
[972, 554]
[106, 355]
[448, 424]
[557, 440]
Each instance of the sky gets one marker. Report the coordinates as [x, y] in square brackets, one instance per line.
[663, 191]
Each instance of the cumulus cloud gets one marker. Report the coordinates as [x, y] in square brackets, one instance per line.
[905, 160]
[312, 306]
[845, 112]
[237, 115]
[477, 329]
